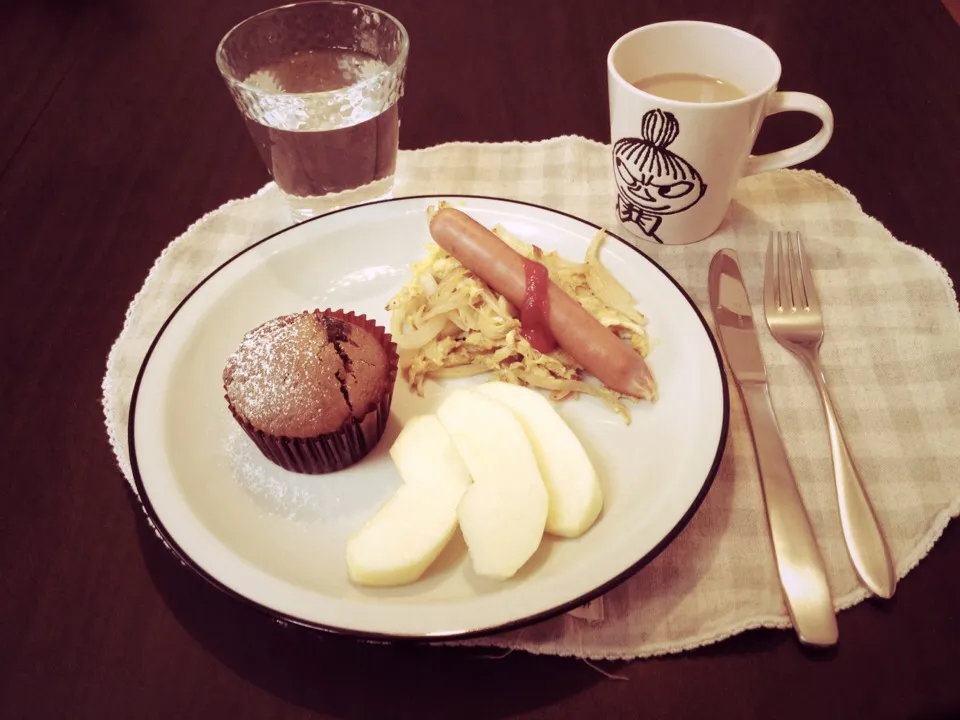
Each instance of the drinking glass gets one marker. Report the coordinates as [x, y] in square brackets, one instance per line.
[319, 86]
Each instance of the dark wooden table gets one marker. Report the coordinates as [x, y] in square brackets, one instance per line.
[116, 133]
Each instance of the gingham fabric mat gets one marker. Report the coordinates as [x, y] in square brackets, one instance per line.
[891, 355]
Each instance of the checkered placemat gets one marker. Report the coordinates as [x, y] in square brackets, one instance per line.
[891, 358]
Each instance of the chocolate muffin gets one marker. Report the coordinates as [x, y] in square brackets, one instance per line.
[313, 389]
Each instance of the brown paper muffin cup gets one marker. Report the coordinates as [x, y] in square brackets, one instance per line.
[354, 439]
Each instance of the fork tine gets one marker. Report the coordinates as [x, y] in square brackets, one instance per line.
[783, 276]
[790, 269]
[811, 302]
[795, 269]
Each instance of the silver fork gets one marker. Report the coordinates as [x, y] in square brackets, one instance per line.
[793, 315]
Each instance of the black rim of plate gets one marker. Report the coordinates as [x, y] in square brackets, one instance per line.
[559, 609]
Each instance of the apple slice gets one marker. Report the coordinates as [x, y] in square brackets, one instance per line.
[425, 455]
[409, 531]
[402, 539]
[575, 497]
[503, 513]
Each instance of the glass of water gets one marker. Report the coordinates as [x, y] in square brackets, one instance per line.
[319, 85]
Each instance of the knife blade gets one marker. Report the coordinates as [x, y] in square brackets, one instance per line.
[800, 567]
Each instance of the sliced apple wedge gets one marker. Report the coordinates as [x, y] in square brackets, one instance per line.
[575, 497]
[503, 513]
[402, 539]
[502, 526]
[409, 531]
[424, 455]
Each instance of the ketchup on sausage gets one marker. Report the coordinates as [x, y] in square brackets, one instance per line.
[534, 325]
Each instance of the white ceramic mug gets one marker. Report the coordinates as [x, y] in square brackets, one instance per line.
[677, 163]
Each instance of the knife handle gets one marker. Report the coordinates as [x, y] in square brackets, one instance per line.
[803, 576]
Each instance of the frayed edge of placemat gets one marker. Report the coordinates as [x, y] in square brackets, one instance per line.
[507, 144]
[927, 257]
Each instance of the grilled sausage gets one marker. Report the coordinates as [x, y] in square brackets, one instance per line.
[596, 348]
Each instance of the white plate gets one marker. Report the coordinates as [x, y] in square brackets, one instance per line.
[277, 539]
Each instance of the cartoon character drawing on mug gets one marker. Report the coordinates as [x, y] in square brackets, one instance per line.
[651, 180]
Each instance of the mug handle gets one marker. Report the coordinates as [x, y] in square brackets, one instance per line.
[794, 102]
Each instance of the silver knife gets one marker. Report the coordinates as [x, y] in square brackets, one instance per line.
[803, 577]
